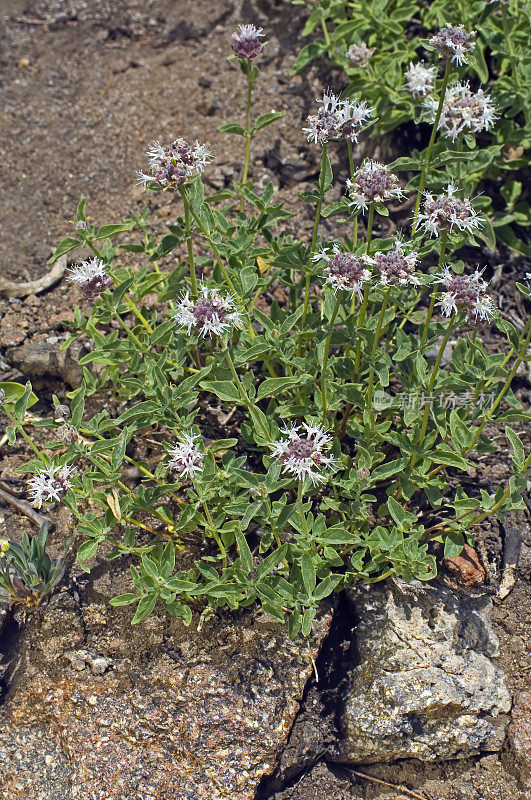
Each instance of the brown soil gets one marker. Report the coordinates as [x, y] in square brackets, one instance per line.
[86, 87]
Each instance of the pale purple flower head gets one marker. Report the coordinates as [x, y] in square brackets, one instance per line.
[49, 484]
[186, 458]
[467, 294]
[453, 41]
[337, 119]
[420, 79]
[445, 211]
[344, 271]
[356, 116]
[463, 110]
[359, 55]
[247, 42]
[373, 183]
[212, 314]
[304, 455]
[91, 276]
[173, 165]
[396, 267]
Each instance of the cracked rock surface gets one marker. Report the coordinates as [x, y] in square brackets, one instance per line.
[175, 714]
[425, 686]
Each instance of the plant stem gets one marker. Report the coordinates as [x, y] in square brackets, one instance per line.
[326, 35]
[432, 381]
[351, 167]
[369, 227]
[373, 353]
[215, 533]
[314, 235]
[189, 243]
[250, 406]
[23, 432]
[361, 321]
[136, 341]
[301, 509]
[426, 165]
[444, 237]
[325, 355]
[248, 137]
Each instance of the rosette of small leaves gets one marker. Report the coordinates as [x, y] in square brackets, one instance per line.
[27, 573]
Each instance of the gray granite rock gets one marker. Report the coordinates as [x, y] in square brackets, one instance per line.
[182, 714]
[425, 686]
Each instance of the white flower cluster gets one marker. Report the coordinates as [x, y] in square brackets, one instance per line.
[396, 267]
[174, 165]
[304, 455]
[453, 41]
[186, 458]
[373, 183]
[91, 276]
[420, 79]
[466, 293]
[445, 211]
[359, 55]
[462, 110]
[344, 271]
[337, 119]
[50, 484]
[212, 314]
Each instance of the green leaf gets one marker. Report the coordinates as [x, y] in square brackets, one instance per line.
[225, 390]
[454, 541]
[518, 448]
[276, 386]
[64, 247]
[308, 573]
[267, 119]
[245, 552]
[106, 231]
[232, 127]
[14, 391]
[144, 608]
[124, 599]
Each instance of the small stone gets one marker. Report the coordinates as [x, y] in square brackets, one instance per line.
[32, 301]
[466, 568]
[205, 82]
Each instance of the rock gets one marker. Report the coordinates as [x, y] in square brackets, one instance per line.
[201, 717]
[425, 686]
[36, 358]
[520, 735]
[466, 568]
[79, 659]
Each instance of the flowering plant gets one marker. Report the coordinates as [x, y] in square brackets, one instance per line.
[238, 447]
[391, 56]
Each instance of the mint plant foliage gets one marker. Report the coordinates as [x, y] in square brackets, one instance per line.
[350, 406]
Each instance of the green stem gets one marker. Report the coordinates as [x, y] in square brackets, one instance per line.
[426, 165]
[432, 382]
[248, 136]
[301, 509]
[326, 36]
[373, 353]
[189, 243]
[432, 300]
[251, 408]
[314, 235]
[23, 432]
[361, 322]
[369, 227]
[351, 167]
[326, 352]
[136, 341]
[215, 534]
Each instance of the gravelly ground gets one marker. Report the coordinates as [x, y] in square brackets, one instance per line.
[86, 86]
